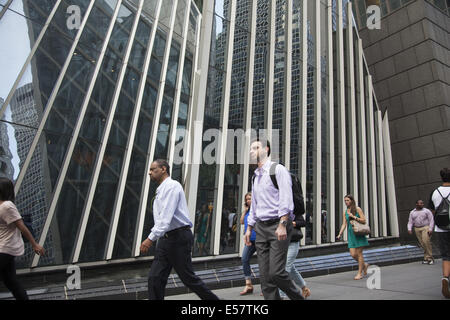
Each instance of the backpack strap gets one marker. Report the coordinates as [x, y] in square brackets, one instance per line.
[442, 195]
[273, 177]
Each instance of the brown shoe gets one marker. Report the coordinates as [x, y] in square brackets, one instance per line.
[445, 291]
[306, 292]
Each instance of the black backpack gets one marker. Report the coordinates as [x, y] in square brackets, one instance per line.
[297, 193]
[442, 215]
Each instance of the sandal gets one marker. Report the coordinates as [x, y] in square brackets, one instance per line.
[306, 292]
[247, 290]
[358, 277]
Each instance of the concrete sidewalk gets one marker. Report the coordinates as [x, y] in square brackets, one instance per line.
[411, 281]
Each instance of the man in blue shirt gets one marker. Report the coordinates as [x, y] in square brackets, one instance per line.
[173, 230]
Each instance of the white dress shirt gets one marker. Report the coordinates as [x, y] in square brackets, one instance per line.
[170, 210]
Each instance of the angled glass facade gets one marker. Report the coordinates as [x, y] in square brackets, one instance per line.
[95, 90]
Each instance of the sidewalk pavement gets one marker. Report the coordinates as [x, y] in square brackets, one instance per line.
[410, 281]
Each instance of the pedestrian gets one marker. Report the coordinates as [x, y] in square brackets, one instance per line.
[293, 249]
[421, 219]
[271, 216]
[436, 199]
[250, 250]
[356, 243]
[203, 228]
[11, 243]
[172, 229]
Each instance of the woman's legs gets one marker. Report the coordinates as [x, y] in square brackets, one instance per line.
[357, 254]
[246, 256]
[8, 274]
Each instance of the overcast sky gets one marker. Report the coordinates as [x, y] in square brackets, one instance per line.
[14, 48]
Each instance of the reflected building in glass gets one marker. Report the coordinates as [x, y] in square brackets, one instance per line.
[101, 88]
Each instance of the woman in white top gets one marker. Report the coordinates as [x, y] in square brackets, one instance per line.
[438, 195]
[11, 243]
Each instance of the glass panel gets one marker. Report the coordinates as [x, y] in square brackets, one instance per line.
[278, 86]
[62, 119]
[106, 191]
[126, 231]
[206, 196]
[40, 71]
[218, 43]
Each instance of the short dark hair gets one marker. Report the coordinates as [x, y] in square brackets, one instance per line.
[163, 163]
[445, 175]
[264, 143]
[6, 190]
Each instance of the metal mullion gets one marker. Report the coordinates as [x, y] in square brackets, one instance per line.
[131, 136]
[364, 203]
[342, 156]
[331, 190]
[268, 103]
[178, 86]
[108, 126]
[194, 83]
[5, 8]
[353, 157]
[390, 183]
[198, 107]
[222, 147]
[244, 167]
[76, 132]
[152, 141]
[61, 176]
[287, 87]
[373, 216]
[27, 62]
[304, 104]
[317, 146]
[381, 174]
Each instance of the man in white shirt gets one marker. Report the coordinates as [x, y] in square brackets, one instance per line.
[173, 230]
[421, 219]
[436, 199]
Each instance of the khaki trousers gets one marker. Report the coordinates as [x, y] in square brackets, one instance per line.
[424, 240]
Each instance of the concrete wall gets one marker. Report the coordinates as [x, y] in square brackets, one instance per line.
[409, 59]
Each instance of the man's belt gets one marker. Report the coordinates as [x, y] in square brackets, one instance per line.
[174, 231]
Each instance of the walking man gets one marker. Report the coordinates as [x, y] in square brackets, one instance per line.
[438, 196]
[271, 216]
[422, 220]
[173, 229]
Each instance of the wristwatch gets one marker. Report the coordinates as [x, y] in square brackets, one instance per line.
[283, 222]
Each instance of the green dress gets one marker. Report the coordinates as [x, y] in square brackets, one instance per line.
[354, 241]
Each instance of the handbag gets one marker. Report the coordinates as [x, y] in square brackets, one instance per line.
[360, 229]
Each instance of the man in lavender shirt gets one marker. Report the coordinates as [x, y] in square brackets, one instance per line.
[423, 222]
[271, 215]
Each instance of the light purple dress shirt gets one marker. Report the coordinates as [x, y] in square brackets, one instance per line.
[267, 202]
[420, 218]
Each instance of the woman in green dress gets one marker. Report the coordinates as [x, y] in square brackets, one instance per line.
[356, 243]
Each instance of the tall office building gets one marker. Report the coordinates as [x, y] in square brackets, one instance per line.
[409, 58]
[103, 87]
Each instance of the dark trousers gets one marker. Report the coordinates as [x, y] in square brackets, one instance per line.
[175, 251]
[272, 257]
[8, 275]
